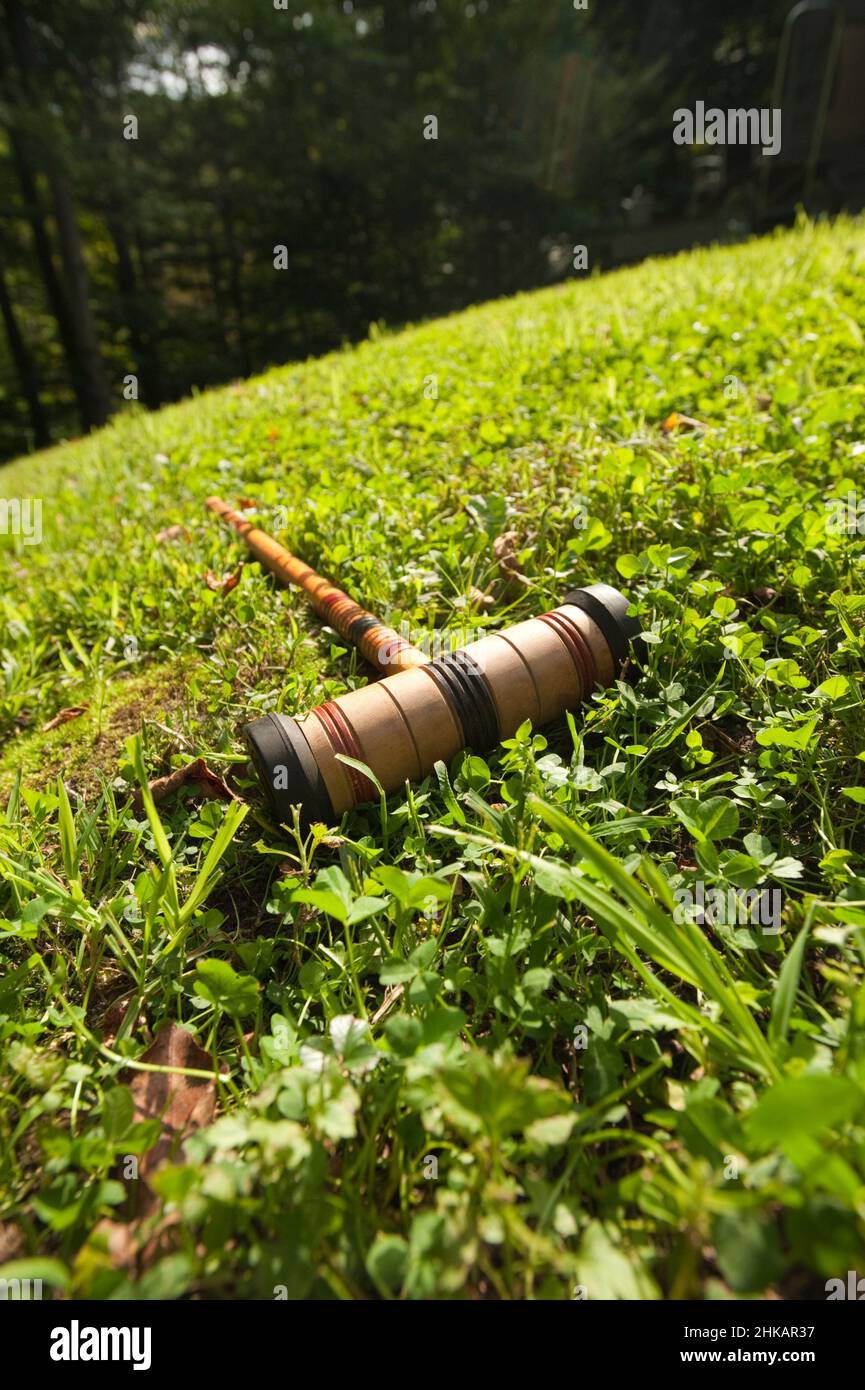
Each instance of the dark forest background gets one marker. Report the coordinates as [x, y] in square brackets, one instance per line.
[303, 126]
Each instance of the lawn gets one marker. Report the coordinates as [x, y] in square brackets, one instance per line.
[583, 1017]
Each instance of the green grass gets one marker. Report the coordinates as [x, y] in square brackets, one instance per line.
[471, 1045]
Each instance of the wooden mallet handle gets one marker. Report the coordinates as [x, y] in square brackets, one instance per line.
[381, 645]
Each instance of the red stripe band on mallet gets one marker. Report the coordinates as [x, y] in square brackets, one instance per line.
[339, 732]
[577, 646]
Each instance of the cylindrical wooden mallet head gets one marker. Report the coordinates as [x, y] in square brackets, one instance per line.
[474, 697]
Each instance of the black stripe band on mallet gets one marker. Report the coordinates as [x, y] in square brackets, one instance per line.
[459, 677]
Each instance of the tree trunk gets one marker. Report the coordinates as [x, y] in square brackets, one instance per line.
[45, 261]
[24, 366]
[235, 289]
[94, 382]
[71, 308]
[141, 336]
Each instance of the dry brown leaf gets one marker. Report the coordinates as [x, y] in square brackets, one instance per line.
[12, 1242]
[197, 773]
[138, 1244]
[391, 996]
[74, 712]
[763, 595]
[120, 1241]
[109, 1023]
[172, 533]
[681, 422]
[223, 585]
[180, 1103]
[479, 599]
[505, 551]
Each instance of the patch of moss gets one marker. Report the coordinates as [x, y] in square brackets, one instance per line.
[90, 745]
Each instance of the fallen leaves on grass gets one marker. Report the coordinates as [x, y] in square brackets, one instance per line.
[505, 551]
[12, 1242]
[763, 595]
[675, 421]
[196, 773]
[180, 1103]
[391, 995]
[222, 584]
[64, 716]
[172, 533]
[111, 1020]
[478, 599]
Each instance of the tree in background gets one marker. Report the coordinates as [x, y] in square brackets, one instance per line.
[154, 155]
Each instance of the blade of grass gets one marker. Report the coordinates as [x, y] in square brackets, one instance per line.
[664, 940]
[784, 996]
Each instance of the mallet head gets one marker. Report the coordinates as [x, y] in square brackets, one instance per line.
[401, 726]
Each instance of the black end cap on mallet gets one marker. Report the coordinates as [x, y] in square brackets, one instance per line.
[287, 770]
[608, 608]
